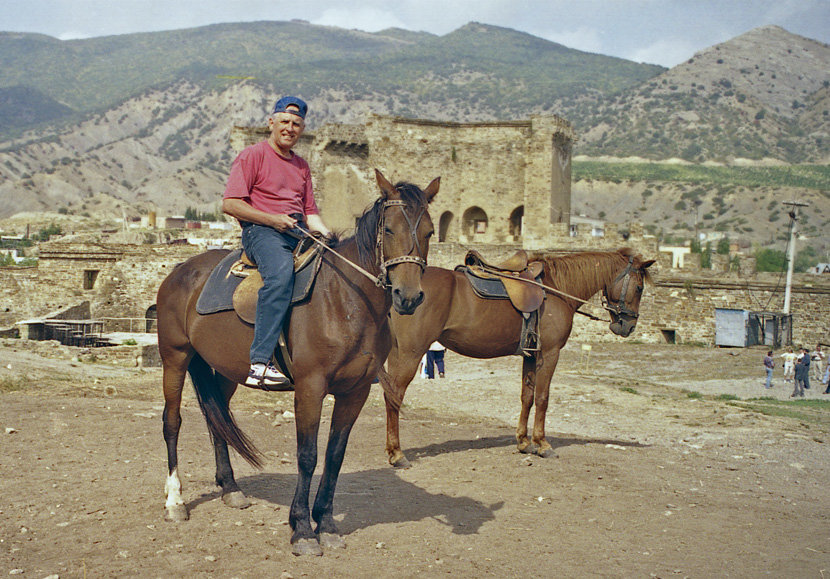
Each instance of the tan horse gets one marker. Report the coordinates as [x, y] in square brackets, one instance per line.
[338, 339]
[484, 328]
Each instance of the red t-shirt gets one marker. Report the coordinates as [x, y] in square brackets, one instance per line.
[270, 182]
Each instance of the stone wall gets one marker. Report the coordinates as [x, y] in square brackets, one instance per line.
[501, 182]
[678, 304]
[119, 281]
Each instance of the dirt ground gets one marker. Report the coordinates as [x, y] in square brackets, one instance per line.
[665, 468]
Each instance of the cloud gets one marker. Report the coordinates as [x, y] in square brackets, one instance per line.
[583, 38]
[667, 53]
[368, 19]
[73, 35]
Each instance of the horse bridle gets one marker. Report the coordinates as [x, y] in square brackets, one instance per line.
[620, 307]
[385, 264]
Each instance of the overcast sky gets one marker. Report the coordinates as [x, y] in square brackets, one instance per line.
[664, 32]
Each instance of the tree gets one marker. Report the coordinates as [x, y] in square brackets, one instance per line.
[805, 259]
[723, 246]
[773, 260]
[706, 256]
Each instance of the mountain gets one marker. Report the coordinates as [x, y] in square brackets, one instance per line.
[477, 67]
[761, 94]
[107, 126]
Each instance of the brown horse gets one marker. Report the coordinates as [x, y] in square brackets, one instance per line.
[484, 328]
[338, 339]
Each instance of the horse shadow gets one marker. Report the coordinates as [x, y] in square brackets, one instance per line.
[372, 497]
[504, 441]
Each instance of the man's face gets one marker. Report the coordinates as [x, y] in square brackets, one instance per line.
[286, 129]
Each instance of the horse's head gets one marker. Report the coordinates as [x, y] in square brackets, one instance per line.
[622, 296]
[403, 233]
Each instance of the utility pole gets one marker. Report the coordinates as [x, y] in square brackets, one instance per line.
[791, 253]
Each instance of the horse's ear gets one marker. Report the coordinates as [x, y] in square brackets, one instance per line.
[386, 188]
[432, 189]
[648, 264]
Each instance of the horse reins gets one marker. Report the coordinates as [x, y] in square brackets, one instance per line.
[383, 279]
[621, 307]
[618, 308]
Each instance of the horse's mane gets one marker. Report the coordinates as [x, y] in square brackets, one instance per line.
[366, 231]
[583, 272]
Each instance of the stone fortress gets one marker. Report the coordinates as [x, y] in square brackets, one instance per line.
[504, 186]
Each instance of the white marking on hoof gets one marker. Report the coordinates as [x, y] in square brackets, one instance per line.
[174, 509]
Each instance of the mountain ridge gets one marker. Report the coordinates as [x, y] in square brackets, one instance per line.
[171, 135]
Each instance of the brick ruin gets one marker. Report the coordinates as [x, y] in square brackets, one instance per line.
[504, 186]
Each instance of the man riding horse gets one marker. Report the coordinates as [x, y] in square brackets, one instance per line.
[269, 191]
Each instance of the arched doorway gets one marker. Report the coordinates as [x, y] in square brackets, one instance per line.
[474, 224]
[150, 317]
[516, 222]
[444, 225]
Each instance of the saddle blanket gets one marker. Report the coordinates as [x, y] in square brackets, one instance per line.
[218, 293]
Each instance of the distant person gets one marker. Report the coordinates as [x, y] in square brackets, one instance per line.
[422, 368]
[769, 364]
[802, 374]
[269, 191]
[789, 364]
[435, 357]
[818, 359]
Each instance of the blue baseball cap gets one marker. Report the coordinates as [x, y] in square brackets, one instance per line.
[287, 101]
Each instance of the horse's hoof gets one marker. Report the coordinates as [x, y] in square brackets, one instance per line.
[307, 547]
[547, 453]
[400, 462]
[528, 448]
[236, 499]
[176, 513]
[331, 541]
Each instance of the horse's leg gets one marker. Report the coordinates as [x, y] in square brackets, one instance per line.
[308, 406]
[231, 494]
[545, 368]
[175, 368]
[528, 387]
[401, 372]
[344, 415]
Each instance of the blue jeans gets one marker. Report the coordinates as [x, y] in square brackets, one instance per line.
[769, 378]
[271, 250]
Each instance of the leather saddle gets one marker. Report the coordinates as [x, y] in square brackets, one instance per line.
[504, 281]
[235, 281]
[306, 265]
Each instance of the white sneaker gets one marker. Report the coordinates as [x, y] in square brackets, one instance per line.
[265, 375]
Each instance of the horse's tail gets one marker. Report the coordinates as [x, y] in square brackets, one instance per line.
[218, 413]
[392, 396]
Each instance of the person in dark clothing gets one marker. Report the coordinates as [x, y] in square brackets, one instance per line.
[802, 374]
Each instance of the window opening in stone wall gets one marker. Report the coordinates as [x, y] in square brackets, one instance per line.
[444, 225]
[90, 275]
[670, 336]
[474, 223]
[516, 222]
[150, 317]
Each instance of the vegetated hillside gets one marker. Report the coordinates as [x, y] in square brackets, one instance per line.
[762, 94]
[673, 201]
[166, 146]
[483, 67]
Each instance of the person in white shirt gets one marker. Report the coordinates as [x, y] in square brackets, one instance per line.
[818, 362]
[789, 364]
[435, 357]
